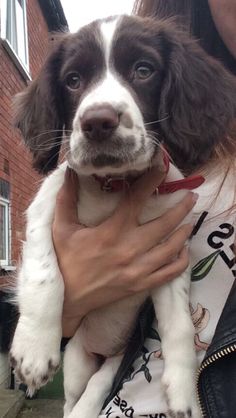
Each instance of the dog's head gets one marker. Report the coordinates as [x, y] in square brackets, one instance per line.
[118, 88]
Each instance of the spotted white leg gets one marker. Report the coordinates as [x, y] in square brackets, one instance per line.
[35, 351]
[79, 366]
[176, 329]
[98, 388]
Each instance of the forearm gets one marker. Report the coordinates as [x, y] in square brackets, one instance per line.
[224, 16]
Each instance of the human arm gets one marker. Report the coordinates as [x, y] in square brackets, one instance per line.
[103, 264]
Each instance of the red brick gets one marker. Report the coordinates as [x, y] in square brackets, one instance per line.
[23, 180]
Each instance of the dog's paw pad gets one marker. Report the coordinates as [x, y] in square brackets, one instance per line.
[34, 373]
[35, 359]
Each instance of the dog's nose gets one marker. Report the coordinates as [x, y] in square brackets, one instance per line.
[98, 123]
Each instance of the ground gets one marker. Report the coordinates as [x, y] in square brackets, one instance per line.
[42, 408]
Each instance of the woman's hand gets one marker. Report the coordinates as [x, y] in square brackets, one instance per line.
[119, 257]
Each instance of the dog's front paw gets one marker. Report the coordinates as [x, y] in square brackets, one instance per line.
[180, 393]
[35, 355]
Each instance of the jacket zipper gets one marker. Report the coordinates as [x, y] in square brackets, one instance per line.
[207, 362]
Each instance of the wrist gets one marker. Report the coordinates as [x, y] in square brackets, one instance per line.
[70, 325]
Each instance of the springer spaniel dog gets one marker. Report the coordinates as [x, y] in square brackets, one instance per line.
[120, 89]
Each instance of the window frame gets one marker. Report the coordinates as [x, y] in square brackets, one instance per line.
[23, 67]
[6, 203]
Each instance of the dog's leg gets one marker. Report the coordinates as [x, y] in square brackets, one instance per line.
[35, 351]
[171, 303]
[79, 366]
[98, 388]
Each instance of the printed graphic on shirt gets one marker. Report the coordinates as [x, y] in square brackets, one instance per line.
[161, 415]
[200, 317]
[218, 260]
[203, 267]
[127, 410]
[146, 356]
[216, 240]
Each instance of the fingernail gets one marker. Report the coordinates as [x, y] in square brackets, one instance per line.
[67, 173]
[195, 197]
[71, 174]
[186, 248]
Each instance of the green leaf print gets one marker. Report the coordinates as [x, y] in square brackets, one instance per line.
[202, 268]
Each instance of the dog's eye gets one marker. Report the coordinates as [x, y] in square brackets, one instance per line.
[73, 81]
[143, 70]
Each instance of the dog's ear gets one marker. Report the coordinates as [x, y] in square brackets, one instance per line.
[37, 113]
[198, 102]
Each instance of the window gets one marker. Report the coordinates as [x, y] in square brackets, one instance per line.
[4, 232]
[4, 224]
[14, 32]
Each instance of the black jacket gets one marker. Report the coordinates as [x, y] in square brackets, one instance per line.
[217, 374]
[216, 382]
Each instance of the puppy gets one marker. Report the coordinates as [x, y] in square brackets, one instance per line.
[117, 89]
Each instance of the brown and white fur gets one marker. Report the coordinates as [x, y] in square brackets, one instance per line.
[148, 83]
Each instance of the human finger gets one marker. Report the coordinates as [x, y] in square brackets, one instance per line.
[155, 231]
[166, 273]
[134, 200]
[161, 255]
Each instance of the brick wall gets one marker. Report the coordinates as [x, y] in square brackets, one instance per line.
[15, 161]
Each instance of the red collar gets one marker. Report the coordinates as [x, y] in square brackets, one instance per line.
[188, 183]
[116, 184]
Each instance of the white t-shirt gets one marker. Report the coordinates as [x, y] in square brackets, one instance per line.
[213, 273]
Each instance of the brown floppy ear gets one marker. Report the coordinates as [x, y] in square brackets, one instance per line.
[38, 114]
[198, 102]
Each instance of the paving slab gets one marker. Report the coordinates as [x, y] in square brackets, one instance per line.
[42, 408]
[11, 402]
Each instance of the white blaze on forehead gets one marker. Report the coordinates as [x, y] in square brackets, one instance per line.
[108, 29]
[109, 89]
